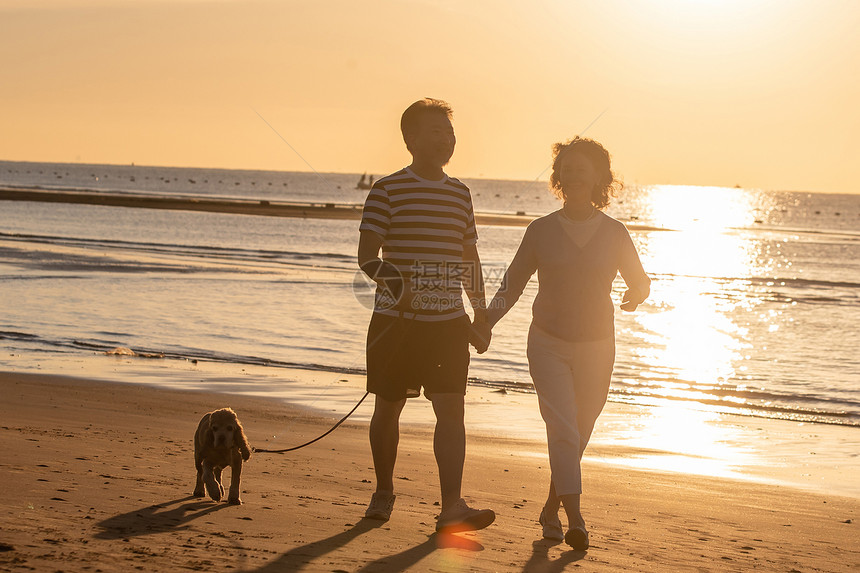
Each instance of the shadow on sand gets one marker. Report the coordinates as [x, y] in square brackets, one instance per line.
[297, 558]
[539, 562]
[157, 518]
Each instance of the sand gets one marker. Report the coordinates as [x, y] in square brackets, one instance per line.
[98, 475]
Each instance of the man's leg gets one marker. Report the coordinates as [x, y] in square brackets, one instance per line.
[449, 444]
[384, 438]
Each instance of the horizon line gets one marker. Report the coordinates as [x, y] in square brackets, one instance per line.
[383, 174]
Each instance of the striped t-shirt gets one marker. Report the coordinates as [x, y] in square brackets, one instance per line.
[424, 225]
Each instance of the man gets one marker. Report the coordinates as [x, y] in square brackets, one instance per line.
[419, 334]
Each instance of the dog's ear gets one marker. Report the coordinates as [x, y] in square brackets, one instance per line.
[241, 441]
[208, 434]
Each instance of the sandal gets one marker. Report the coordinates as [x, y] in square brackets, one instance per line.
[577, 538]
[551, 528]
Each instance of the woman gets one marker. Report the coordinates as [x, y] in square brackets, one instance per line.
[577, 252]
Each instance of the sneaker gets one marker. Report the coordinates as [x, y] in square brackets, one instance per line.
[380, 506]
[551, 527]
[461, 517]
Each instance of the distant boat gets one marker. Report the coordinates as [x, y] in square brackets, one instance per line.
[364, 182]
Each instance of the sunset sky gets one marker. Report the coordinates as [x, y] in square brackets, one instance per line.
[761, 93]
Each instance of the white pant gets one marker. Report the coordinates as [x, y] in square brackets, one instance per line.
[572, 382]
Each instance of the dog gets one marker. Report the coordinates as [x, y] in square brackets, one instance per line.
[220, 442]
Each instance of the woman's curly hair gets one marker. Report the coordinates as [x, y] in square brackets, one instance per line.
[609, 184]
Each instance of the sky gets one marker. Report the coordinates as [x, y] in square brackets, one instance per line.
[756, 93]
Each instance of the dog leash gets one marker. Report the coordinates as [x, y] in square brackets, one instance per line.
[341, 421]
[318, 438]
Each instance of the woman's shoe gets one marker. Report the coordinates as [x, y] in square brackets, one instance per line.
[551, 528]
[577, 538]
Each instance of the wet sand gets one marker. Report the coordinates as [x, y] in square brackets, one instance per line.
[98, 476]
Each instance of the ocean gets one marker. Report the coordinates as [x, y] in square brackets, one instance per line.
[754, 310]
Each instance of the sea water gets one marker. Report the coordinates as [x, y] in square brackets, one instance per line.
[754, 308]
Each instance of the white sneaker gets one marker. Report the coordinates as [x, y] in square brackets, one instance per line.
[461, 517]
[380, 506]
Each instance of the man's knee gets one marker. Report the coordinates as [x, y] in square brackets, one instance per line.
[387, 410]
[448, 406]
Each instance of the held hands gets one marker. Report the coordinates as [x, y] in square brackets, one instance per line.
[480, 334]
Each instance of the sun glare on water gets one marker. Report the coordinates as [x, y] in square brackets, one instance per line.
[692, 339]
[691, 334]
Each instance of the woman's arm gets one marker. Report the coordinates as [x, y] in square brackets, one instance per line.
[635, 295]
[515, 280]
[638, 283]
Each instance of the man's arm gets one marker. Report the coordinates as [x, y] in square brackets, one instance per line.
[474, 286]
[369, 244]
[383, 273]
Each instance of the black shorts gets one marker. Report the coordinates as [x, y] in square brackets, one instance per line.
[405, 355]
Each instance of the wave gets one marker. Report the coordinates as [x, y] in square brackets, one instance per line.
[729, 399]
[105, 346]
[270, 255]
[779, 289]
[801, 230]
[759, 398]
[790, 282]
[42, 277]
[206, 252]
[800, 283]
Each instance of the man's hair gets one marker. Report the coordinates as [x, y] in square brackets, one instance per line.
[410, 118]
[609, 183]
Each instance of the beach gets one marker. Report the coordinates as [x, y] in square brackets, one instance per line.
[99, 476]
[136, 299]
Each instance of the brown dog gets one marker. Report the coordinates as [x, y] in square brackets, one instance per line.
[220, 442]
